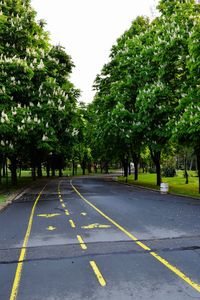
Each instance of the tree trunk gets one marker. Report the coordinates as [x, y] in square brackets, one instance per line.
[136, 171]
[106, 167]
[156, 159]
[136, 158]
[53, 171]
[1, 162]
[48, 169]
[39, 169]
[125, 167]
[89, 167]
[198, 166]
[33, 172]
[4, 166]
[95, 168]
[13, 168]
[83, 166]
[101, 166]
[20, 170]
[185, 169]
[60, 172]
[6, 171]
[73, 167]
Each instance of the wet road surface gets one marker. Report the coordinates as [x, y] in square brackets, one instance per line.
[92, 238]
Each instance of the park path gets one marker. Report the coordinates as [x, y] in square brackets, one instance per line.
[92, 238]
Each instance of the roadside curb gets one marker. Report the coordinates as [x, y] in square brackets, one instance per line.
[154, 190]
[14, 196]
[135, 185]
[17, 194]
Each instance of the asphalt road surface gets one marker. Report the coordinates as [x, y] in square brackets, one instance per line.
[92, 238]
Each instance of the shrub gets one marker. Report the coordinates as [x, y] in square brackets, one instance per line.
[168, 172]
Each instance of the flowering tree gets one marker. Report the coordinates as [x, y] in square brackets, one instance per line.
[187, 128]
[165, 68]
[37, 99]
[116, 94]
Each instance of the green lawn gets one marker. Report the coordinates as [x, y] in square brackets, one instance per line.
[6, 189]
[176, 184]
[2, 198]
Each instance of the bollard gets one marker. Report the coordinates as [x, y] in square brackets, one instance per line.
[164, 188]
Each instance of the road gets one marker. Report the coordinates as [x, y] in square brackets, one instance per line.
[92, 238]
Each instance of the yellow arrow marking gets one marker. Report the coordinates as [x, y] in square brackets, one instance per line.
[83, 214]
[48, 215]
[51, 228]
[96, 225]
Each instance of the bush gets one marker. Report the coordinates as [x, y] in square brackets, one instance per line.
[168, 172]
[152, 170]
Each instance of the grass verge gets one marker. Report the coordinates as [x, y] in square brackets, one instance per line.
[176, 184]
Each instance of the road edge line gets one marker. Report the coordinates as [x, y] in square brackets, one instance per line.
[18, 273]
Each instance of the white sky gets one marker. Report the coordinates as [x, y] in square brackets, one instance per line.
[88, 29]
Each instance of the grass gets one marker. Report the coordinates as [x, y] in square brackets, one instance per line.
[6, 188]
[176, 184]
[2, 198]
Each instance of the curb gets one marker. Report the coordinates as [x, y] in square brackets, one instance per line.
[10, 199]
[14, 196]
[154, 190]
[137, 186]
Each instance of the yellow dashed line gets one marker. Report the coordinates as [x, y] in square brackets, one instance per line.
[63, 205]
[72, 223]
[98, 273]
[82, 244]
[164, 262]
[66, 212]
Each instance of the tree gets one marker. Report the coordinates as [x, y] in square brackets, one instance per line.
[37, 99]
[164, 61]
[188, 126]
[115, 99]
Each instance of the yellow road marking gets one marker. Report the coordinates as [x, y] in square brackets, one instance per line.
[22, 256]
[61, 200]
[48, 215]
[96, 225]
[84, 214]
[175, 270]
[97, 273]
[63, 205]
[72, 223]
[66, 212]
[59, 195]
[82, 244]
[143, 246]
[51, 228]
